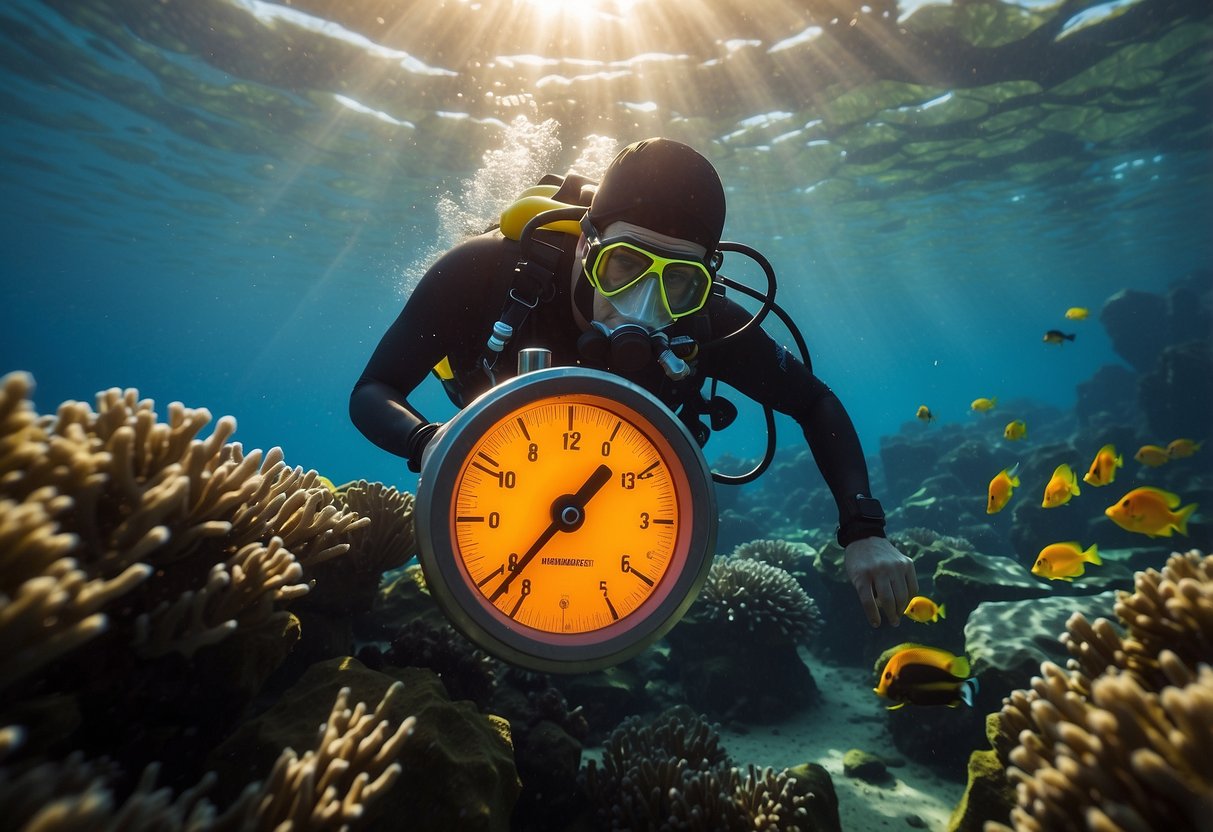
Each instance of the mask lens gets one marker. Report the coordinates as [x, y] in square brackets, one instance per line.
[619, 266]
[684, 287]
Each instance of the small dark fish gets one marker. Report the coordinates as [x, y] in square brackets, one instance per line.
[1056, 336]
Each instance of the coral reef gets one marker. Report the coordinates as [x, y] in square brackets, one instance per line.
[673, 774]
[736, 651]
[388, 541]
[1123, 739]
[790, 556]
[458, 763]
[763, 600]
[329, 787]
[95, 505]
[466, 671]
[146, 572]
[384, 543]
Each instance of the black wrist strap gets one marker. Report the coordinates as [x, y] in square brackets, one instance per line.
[854, 530]
[864, 518]
[417, 441]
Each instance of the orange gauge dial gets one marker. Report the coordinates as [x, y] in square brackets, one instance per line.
[566, 520]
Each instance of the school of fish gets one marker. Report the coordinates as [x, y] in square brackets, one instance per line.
[918, 674]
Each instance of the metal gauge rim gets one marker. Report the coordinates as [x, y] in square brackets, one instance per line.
[464, 606]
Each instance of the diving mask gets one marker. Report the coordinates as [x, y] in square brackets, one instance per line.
[644, 282]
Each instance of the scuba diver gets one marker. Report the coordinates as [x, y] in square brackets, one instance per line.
[625, 279]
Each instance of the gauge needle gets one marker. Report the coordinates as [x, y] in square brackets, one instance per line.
[568, 512]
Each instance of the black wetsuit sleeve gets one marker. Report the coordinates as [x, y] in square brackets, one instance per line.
[770, 374]
[444, 315]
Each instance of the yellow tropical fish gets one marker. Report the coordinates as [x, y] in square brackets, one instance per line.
[924, 413]
[1014, 431]
[1152, 455]
[1064, 561]
[1182, 448]
[923, 610]
[1103, 467]
[1150, 511]
[1001, 488]
[983, 405]
[915, 674]
[1062, 486]
[1077, 313]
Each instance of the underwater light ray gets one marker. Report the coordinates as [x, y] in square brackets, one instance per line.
[287, 314]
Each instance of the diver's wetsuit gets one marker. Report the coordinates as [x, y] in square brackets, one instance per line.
[452, 311]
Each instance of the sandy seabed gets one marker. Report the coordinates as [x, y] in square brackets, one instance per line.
[850, 716]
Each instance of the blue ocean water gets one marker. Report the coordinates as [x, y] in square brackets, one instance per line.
[226, 207]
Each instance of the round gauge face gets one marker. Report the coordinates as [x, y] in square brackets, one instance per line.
[570, 521]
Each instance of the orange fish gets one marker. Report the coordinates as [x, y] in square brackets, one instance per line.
[1151, 511]
[923, 610]
[1001, 487]
[1103, 467]
[1182, 448]
[915, 674]
[1061, 487]
[1152, 455]
[1064, 561]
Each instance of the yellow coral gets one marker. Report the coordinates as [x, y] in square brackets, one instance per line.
[95, 502]
[389, 540]
[1123, 740]
[327, 788]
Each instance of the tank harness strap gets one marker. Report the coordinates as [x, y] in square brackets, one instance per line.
[535, 272]
[533, 284]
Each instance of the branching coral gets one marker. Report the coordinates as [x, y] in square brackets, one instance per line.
[673, 774]
[94, 504]
[388, 541]
[764, 599]
[328, 788]
[1123, 740]
[244, 591]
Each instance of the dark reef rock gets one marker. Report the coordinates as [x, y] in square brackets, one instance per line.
[728, 677]
[865, 766]
[1109, 394]
[1139, 326]
[608, 696]
[938, 504]
[1007, 641]
[815, 782]
[936, 736]
[1177, 394]
[907, 460]
[735, 528]
[988, 794]
[968, 578]
[972, 463]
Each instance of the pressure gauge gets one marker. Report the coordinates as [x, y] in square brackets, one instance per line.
[566, 520]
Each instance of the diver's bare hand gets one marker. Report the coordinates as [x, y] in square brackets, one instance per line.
[883, 578]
